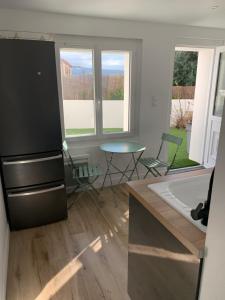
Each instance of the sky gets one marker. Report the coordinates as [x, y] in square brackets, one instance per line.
[83, 59]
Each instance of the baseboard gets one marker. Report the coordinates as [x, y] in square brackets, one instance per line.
[5, 258]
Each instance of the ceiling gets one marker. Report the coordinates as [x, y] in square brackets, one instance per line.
[210, 13]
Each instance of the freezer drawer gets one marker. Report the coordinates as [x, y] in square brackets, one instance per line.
[35, 207]
[32, 170]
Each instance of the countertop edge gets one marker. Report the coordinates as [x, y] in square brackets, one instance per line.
[161, 211]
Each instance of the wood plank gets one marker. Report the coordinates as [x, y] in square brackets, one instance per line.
[82, 258]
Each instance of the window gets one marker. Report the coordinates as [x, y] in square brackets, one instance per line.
[97, 89]
[77, 76]
[115, 91]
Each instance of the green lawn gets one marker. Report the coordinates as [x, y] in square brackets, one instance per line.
[88, 131]
[182, 159]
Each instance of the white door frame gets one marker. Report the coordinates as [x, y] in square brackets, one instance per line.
[209, 137]
[201, 103]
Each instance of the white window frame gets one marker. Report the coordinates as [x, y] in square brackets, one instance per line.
[98, 45]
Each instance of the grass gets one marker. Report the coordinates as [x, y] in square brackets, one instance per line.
[89, 131]
[182, 159]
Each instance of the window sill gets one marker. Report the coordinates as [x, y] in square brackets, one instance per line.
[95, 141]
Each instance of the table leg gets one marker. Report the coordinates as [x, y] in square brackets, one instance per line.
[124, 172]
[108, 162]
[135, 165]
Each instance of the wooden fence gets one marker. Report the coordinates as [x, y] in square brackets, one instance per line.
[183, 92]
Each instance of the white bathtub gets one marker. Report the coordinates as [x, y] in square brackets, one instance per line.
[184, 194]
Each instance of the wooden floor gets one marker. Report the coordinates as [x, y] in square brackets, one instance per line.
[83, 258]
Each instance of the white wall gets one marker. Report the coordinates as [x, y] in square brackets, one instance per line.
[81, 113]
[213, 280]
[4, 246]
[113, 114]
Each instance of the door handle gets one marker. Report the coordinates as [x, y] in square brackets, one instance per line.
[29, 161]
[55, 188]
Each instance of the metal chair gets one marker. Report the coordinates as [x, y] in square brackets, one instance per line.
[83, 174]
[152, 164]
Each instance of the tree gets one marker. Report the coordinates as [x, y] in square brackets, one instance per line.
[185, 68]
[117, 94]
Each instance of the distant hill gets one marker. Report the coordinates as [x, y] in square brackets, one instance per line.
[79, 71]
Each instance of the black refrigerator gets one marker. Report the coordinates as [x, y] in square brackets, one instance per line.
[32, 167]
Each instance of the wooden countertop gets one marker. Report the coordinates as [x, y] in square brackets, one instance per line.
[188, 234]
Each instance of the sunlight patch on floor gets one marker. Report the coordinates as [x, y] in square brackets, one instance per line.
[97, 245]
[126, 214]
[62, 277]
[124, 220]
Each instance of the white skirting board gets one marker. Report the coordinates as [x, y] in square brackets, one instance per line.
[4, 246]
[4, 264]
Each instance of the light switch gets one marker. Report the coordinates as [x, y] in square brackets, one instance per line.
[154, 101]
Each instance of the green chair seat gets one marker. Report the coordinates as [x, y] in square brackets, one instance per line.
[151, 162]
[83, 175]
[86, 171]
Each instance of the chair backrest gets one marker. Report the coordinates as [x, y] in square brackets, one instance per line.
[169, 138]
[67, 154]
[65, 146]
[172, 139]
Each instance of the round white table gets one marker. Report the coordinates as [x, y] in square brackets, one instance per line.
[123, 148]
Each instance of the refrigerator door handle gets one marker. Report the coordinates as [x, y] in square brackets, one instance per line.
[29, 161]
[55, 188]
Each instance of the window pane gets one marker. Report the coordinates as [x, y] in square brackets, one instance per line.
[220, 89]
[77, 75]
[115, 91]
